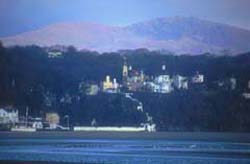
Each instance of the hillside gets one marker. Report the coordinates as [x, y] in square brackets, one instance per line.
[30, 78]
[179, 35]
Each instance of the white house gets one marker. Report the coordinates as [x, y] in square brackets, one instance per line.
[198, 78]
[37, 123]
[163, 79]
[8, 116]
[233, 83]
[92, 89]
[246, 95]
[180, 82]
[162, 84]
[165, 88]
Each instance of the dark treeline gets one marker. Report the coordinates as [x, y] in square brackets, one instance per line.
[28, 77]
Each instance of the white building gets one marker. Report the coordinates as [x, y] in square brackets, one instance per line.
[53, 120]
[54, 54]
[115, 84]
[37, 123]
[150, 127]
[198, 78]
[165, 88]
[110, 86]
[8, 116]
[162, 84]
[180, 82]
[246, 95]
[92, 89]
[163, 79]
[233, 83]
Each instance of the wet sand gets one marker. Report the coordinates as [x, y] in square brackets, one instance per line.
[190, 136]
[236, 138]
[36, 162]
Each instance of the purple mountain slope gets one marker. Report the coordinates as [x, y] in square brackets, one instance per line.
[176, 34]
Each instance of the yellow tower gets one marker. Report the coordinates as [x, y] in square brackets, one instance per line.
[125, 70]
[125, 73]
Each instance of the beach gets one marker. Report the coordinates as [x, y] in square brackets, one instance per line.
[198, 136]
[124, 148]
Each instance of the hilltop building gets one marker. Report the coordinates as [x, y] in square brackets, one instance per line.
[246, 94]
[136, 81]
[180, 82]
[163, 84]
[198, 78]
[233, 83]
[54, 54]
[133, 80]
[227, 84]
[109, 86]
[163, 67]
[92, 89]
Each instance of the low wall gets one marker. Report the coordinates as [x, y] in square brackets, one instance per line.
[120, 129]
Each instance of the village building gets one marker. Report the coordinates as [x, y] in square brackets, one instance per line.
[246, 95]
[37, 123]
[110, 86]
[52, 119]
[54, 54]
[233, 83]
[136, 81]
[92, 89]
[198, 78]
[162, 84]
[8, 116]
[180, 82]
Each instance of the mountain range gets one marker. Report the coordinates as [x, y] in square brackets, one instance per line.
[180, 35]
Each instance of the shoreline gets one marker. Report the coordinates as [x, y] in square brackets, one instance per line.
[187, 136]
[39, 162]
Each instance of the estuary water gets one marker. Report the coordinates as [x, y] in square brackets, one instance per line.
[124, 151]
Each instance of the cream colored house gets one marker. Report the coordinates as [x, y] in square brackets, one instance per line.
[8, 116]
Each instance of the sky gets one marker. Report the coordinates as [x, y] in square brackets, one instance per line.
[18, 16]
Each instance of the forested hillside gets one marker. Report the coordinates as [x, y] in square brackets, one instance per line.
[28, 77]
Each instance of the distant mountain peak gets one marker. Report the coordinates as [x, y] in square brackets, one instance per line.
[181, 35]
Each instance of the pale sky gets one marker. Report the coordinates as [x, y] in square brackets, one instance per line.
[18, 16]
